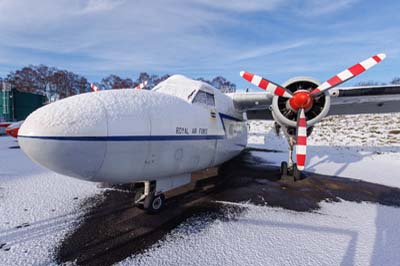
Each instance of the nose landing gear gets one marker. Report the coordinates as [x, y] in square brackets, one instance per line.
[149, 200]
[289, 169]
[151, 195]
[292, 173]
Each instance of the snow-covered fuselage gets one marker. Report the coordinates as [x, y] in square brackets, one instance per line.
[123, 136]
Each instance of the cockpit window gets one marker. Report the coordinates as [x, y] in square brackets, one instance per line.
[210, 99]
[204, 98]
[191, 94]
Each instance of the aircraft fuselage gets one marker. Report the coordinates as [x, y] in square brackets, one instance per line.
[123, 136]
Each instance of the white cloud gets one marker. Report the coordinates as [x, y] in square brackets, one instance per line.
[264, 50]
[109, 36]
[244, 6]
[202, 37]
[94, 6]
[323, 7]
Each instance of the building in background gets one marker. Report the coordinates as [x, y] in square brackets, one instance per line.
[16, 105]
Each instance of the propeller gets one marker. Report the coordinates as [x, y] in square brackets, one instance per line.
[301, 141]
[266, 85]
[302, 100]
[349, 73]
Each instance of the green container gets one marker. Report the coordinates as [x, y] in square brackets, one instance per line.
[16, 105]
[6, 106]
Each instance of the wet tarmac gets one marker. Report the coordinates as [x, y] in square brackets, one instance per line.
[114, 229]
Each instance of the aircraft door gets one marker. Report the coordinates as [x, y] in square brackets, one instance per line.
[207, 101]
[213, 124]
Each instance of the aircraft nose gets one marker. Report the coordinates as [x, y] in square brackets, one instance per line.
[60, 136]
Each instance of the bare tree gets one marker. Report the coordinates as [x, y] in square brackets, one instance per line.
[50, 81]
[395, 80]
[116, 82]
[23, 79]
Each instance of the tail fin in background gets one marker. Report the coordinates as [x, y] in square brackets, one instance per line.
[141, 85]
[93, 87]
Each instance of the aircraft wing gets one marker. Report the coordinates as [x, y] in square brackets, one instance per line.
[367, 99]
[344, 101]
[255, 104]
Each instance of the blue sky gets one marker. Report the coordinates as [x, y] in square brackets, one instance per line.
[277, 39]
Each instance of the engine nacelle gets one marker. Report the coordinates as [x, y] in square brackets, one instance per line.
[286, 117]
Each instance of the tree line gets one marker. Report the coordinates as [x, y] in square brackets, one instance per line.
[57, 83]
[394, 81]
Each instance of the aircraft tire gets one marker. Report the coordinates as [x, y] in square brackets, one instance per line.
[284, 169]
[296, 173]
[154, 204]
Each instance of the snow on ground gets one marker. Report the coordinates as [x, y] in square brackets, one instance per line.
[359, 146]
[335, 235]
[37, 207]
[367, 130]
[345, 233]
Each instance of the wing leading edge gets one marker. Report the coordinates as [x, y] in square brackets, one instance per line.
[365, 99]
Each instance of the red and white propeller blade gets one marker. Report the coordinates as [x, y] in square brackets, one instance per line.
[349, 73]
[141, 85]
[265, 84]
[94, 87]
[301, 143]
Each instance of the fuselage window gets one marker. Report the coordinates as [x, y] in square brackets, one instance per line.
[204, 98]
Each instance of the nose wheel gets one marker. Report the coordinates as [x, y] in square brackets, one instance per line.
[289, 169]
[154, 203]
[151, 202]
[284, 169]
[290, 172]
[150, 195]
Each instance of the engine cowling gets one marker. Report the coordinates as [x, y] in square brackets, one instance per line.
[287, 117]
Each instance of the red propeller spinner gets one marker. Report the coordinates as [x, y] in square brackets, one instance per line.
[301, 99]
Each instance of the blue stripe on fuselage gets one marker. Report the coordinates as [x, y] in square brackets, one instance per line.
[128, 138]
[140, 138]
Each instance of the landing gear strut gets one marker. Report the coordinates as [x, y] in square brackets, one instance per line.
[150, 201]
[289, 169]
[151, 196]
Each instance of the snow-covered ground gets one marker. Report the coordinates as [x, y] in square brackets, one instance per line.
[38, 207]
[358, 146]
[338, 234]
[345, 233]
